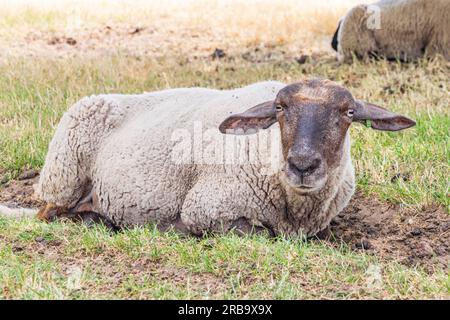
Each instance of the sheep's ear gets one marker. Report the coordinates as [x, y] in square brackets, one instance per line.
[379, 118]
[259, 117]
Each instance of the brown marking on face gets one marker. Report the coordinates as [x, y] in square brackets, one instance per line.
[301, 97]
[284, 139]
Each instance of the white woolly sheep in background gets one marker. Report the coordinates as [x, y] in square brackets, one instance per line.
[112, 156]
[395, 29]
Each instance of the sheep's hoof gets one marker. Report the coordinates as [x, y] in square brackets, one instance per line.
[51, 212]
[325, 234]
[81, 213]
[243, 227]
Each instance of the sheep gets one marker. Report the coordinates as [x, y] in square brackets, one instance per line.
[394, 29]
[121, 157]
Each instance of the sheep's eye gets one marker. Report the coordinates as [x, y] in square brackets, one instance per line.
[279, 107]
[350, 112]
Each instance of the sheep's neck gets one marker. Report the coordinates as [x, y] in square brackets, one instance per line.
[311, 213]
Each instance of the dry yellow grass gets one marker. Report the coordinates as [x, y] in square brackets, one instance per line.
[175, 27]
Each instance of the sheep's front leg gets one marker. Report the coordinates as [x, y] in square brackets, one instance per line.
[244, 227]
[51, 212]
[83, 212]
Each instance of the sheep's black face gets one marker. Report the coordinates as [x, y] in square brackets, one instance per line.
[314, 117]
[314, 120]
[334, 41]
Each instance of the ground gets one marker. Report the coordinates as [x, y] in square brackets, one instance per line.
[392, 241]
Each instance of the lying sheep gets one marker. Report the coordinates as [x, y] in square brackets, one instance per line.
[113, 155]
[395, 29]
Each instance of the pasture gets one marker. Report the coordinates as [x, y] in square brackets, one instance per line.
[393, 240]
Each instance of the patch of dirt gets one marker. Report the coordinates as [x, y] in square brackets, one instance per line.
[410, 236]
[20, 193]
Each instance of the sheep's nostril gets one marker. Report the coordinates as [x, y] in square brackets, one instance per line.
[314, 165]
[294, 168]
[304, 168]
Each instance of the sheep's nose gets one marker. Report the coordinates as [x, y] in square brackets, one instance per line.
[304, 166]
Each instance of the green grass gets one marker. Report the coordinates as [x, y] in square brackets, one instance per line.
[65, 260]
[72, 261]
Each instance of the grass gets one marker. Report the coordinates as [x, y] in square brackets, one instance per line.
[69, 261]
[65, 260]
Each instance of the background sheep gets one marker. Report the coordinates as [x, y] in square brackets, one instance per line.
[113, 154]
[395, 29]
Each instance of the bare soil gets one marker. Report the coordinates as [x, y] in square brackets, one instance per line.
[20, 192]
[411, 236]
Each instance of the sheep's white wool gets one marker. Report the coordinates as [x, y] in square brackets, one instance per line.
[121, 147]
[404, 29]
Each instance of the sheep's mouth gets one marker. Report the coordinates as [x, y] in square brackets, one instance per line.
[303, 187]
